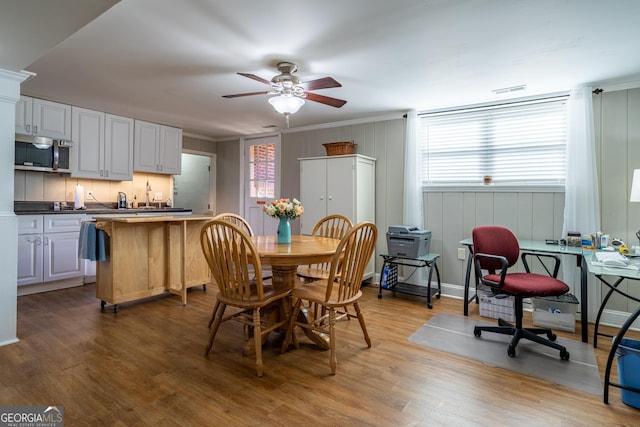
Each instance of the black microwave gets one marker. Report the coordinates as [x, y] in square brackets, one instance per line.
[37, 153]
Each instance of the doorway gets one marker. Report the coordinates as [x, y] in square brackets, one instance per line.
[195, 187]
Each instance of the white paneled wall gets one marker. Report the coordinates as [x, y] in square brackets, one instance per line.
[451, 215]
[617, 120]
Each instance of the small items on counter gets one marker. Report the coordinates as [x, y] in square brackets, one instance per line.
[169, 202]
[134, 204]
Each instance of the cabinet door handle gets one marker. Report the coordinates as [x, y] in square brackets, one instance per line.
[46, 241]
[35, 129]
[28, 128]
[101, 172]
[106, 174]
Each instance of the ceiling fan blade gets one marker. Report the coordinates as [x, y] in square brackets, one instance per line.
[237, 95]
[257, 78]
[334, 102]
[323, 83]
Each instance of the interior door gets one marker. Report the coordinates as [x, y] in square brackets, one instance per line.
[195, 187]
[262, 181]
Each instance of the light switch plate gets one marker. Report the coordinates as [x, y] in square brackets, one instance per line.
[461, 253]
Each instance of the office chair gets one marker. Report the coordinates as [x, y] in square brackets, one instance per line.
[495, 250]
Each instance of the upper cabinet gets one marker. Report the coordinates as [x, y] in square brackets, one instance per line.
[157, 148]
[103, 145]
[43, 118]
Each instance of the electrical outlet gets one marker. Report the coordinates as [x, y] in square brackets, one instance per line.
[90, 195]
[461, 253]
[158, 195]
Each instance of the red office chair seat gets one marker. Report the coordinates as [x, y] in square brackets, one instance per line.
[495, 250]
[529, 285]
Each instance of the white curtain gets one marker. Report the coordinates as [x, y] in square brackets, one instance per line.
[581, 207]
[412, 206]
[412, 174]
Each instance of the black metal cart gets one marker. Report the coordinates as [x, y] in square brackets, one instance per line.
[391, 283]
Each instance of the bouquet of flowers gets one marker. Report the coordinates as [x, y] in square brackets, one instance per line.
[284, 209]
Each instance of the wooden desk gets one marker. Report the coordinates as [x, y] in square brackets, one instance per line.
[150, 255]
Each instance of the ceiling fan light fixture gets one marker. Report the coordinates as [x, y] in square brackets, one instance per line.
[286, 104]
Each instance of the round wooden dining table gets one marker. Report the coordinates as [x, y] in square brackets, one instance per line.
[284, 258]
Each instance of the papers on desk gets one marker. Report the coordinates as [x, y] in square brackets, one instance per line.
[613, 260]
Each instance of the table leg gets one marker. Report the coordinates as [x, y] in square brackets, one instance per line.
[286, 276]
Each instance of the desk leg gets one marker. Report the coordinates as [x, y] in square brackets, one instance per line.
[429, 304]
[612, 288]
[466, 283]
[612, 352]
[584, 321]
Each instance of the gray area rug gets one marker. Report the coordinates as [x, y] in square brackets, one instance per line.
[454, 334]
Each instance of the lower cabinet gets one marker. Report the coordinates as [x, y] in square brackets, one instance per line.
[48, 248]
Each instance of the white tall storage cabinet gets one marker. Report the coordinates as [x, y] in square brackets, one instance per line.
[342, 185]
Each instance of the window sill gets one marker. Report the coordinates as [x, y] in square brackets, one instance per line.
[493, 188]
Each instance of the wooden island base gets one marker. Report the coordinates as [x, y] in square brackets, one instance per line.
[150, 255]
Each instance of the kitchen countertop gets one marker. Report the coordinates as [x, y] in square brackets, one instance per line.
[42, 208]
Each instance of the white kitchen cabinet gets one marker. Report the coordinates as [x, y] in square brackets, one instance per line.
[103, 145]
[157, 148]
[342, 185]
[48, 248]
[43, 118]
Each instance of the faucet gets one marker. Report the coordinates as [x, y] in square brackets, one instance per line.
[148, 192]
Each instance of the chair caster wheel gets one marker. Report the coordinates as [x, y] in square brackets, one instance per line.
[564, 355]
[551, 336]
[477, 332]
[511, 351]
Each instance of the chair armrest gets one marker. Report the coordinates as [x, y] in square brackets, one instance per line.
[556, 258]
[503, 269]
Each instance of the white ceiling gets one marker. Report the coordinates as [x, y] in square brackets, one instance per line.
[171, 61]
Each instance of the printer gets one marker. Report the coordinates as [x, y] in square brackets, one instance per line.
[408, 241]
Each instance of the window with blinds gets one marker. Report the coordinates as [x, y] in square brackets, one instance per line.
[516, 144]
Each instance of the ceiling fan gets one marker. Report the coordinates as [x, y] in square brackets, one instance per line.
[290, 92]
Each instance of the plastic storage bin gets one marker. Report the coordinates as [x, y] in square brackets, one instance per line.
[496, 306]
[555, 312]
[628, 357]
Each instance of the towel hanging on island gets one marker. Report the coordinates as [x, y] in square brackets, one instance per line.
[92, 245]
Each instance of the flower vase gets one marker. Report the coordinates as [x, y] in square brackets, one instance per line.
[284, 231]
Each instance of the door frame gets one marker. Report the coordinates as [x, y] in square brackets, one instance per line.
[245, 142]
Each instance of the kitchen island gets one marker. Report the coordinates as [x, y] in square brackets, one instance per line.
[150, 255]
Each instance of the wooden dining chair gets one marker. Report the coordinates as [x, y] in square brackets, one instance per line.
[339, 290]
[237, 220]
[244, 225]
[333, 226]
[232, 257]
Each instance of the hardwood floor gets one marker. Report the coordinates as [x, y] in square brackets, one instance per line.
[145, 366]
